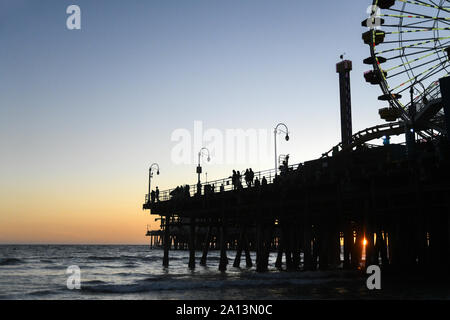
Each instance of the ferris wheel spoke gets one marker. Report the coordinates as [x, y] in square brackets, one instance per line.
[421, 3]
[410, 62]
[410, 40]
[411, 26]
[413, 68]
[419, 30]
[412, 45]
[409, 15]
[421, 80]
[418, 52]
[426, 74]
[417, 23]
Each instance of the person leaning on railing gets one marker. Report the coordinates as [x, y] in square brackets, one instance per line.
[153, 196]
[257, 183]
[264, 181]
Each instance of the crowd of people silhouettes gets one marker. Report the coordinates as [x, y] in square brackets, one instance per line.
[181, 192]
[236, 180]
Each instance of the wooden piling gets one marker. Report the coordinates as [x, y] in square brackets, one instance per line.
[323, 241]
[223, 249]
[357, 247]
[192, 244]
[288, 247]
[206, 245]
[248, 258]
[307, 247]
[280, 249]
[296, 234]
[259, 248]
[348, 246]
[237, 259]
[166, 243]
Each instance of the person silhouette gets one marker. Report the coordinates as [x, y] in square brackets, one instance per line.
[157, 194]
[247, 177]
[264, 182]
[251, 176]
[234, 180]
[239, 179]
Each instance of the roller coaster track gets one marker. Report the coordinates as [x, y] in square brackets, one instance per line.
[369, 134]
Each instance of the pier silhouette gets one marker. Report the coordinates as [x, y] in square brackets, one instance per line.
[358, 205]
[373, 198]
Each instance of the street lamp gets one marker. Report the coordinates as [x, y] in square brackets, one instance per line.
[279, 131]
[150, 175]
[199, 168]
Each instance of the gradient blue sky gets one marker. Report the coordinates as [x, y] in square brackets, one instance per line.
[84, 113]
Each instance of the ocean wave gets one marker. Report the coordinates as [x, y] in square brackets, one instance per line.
[130, 274]
[161, 284]
[90, 282]
[42, 293]
[102, 258]
[10, 261]
[46, 260]
[123, 258]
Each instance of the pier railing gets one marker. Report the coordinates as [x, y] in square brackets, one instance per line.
[220, 185]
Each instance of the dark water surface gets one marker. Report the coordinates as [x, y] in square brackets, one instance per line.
[136, 272]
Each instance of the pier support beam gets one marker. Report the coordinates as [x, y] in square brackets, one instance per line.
[296, 235]
[288, 245]
[357, 247]
[206, 245]
[307, 244]
[166, 243]
[263, 239]
[280, 249]
[348, 246]
[223, 249]
[324, 234]
[334, 253]
[237, 259]
[259, 247]
[192, 244]
[381, 248]
[248, 258]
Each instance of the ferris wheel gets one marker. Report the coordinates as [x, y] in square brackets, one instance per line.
[410, 49]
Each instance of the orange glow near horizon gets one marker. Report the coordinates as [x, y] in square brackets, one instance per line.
[74, 215]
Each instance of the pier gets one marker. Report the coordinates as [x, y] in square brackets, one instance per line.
[357, 205]
[374, 199]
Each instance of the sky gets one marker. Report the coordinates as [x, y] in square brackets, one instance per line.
[84, 113]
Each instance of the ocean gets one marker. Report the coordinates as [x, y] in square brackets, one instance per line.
[135, 272]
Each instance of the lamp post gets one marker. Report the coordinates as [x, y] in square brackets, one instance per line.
[199, 167]
[275, 132]
[150, 175]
